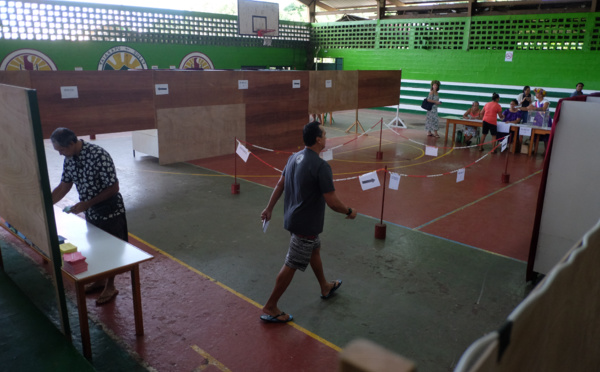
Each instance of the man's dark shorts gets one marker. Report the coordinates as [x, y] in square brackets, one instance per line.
[116, 226]
[487, 127]
[300, 251]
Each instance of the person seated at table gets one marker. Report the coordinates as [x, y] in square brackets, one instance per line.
[473, 113]
[578, 90]
[489, 113]
[512, 115]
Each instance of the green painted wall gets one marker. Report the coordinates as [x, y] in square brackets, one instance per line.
[558, 69]
[67, 55]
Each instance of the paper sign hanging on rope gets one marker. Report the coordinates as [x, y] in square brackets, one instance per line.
[242, 151]
[503, 127]
[394, 181]
[328, 155]
[504, 143]
[369, 181]
[525, 131]
[431, 151]
[460, 175]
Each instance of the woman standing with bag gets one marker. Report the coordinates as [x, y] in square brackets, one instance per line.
[432, 122]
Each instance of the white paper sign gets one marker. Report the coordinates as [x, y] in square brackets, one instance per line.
[431, 151]
[503, 127]
[161, 89]
[394, 181]
[328, 84]
[460, 175]
[69, 92]
[369, 181]
[504, 143]
[328, 155]
[508, 57]
[242, 151]
[172, 67]
[78, 68]
[242, 84]
[295, 84]
[154, 67]
[525, 131]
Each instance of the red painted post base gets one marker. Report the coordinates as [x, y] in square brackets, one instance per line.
[379, 155]
[235, 188]
[505, 177]
[380, 231]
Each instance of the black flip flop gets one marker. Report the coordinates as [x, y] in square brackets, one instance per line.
[336, 285]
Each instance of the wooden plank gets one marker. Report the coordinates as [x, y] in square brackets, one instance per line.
[277, 125]
[342, 95]
[198, 88]
[378, 88]
[265, 87]
[16, 78]
[198, 132]
[109, 101]
[365, 356]
[21, 197]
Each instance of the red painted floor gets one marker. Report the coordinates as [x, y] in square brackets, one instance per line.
[481, 211]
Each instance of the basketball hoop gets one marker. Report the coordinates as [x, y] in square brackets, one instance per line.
[265, 34]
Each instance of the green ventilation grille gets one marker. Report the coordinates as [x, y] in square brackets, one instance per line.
[22, 20]
[545, 33]
[595, 36]
[345, 35]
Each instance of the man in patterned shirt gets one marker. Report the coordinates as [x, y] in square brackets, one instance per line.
[92, 170]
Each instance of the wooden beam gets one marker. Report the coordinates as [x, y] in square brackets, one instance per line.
[397, 3]
[381, 9]
[326, 7]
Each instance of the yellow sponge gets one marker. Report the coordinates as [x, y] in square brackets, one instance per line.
[67, 248]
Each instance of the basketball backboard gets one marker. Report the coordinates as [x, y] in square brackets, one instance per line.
[258, 15]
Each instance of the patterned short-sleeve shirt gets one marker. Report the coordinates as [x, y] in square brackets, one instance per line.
[92, 171]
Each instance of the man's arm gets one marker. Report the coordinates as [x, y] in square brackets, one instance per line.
[60, 191]
[105, 194]
[277, 192]
[336, 204]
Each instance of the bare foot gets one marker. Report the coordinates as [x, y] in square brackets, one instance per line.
[276, 313]
[107, 296]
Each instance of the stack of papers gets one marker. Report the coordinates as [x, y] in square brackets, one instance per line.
[74, 263]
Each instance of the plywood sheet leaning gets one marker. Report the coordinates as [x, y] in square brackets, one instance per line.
[333, 91]
[199, 132]
[276, 108]
[378, 88]
[108, 101]
[21, 197]
[198, 88]
[16, 78]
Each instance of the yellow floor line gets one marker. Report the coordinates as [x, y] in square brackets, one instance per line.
[210, 361]
[301, 329]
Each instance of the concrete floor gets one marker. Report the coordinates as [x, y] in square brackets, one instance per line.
[422, 296]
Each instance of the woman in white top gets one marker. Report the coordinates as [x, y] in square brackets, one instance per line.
[541, 106]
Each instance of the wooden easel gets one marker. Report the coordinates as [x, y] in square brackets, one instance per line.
[356, 125]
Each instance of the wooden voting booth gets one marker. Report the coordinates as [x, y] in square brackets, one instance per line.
[25, 195]
[556, 328]
[198, 113]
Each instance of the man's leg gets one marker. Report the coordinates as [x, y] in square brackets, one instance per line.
[284, 278]
[317, 265]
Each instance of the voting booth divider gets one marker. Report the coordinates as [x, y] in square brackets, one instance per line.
[25, 194]
[204, 107]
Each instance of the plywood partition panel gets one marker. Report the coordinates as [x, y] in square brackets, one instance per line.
[198, 88]
[333, 91]
[198, 132]
[21, 196]
[107, 101]
[265, 87]
[16, 78]
[378, 88]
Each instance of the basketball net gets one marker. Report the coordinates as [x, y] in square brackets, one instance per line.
[267, 38]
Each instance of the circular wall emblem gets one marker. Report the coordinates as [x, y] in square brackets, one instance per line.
[196, 61]
[122, 58]
[27, 59]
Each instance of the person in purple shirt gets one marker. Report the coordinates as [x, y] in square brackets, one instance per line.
[512, 115]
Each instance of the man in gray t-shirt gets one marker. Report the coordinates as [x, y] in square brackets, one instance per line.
[308, 184]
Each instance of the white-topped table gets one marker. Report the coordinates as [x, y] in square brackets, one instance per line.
[106, 256]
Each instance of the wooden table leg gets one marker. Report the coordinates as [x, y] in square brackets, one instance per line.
[453, 132]
[531, 141]
[137, 300]
[83, 321]
[447, 125]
